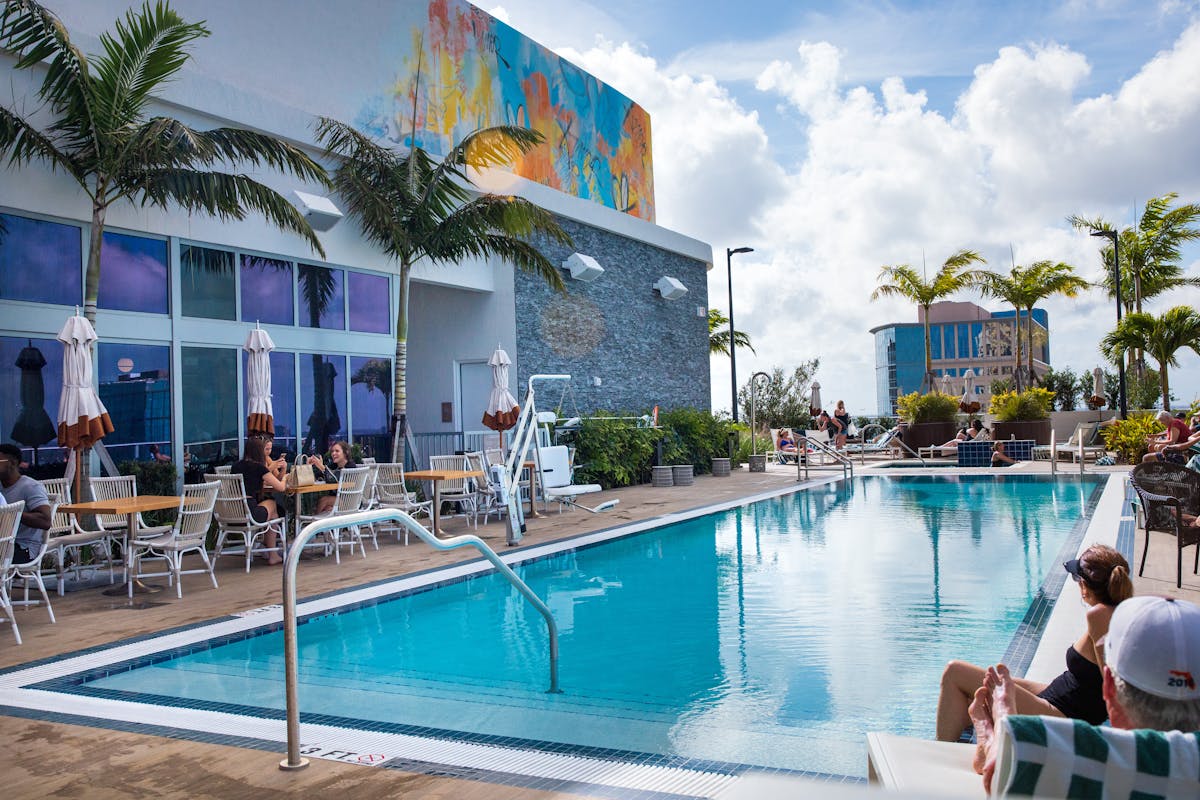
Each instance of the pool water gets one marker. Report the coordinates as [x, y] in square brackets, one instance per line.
[775, 634]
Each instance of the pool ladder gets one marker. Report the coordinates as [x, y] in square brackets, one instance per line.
[290, 654]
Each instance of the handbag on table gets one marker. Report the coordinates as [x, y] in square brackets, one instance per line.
[301, 474]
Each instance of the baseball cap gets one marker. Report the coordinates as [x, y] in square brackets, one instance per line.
[1153, 643]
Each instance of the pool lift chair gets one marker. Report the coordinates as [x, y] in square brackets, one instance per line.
[507, 476]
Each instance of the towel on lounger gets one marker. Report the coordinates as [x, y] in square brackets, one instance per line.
[1053, 757]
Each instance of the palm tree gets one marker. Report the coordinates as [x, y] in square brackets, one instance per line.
[1162, 337]
[718, 339]
[99, 131]
[1025, 287]
[902, 280]
[1150, 253]
[415, 207]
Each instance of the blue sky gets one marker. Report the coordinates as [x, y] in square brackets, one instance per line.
[837, 137]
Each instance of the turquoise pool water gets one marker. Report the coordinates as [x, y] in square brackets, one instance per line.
[775, 634]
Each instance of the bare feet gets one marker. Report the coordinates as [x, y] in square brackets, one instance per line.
[999, 682]
[981, 717]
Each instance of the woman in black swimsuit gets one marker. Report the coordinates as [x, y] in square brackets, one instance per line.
[261, 482]
[1103, 577]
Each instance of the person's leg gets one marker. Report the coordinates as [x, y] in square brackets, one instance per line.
[1005, 701]
[325, 504]
[960, 681]
[270, 540]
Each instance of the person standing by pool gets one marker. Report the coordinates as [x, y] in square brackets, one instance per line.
[1103, 577]
[259, 476]
[35, 519]
[842, 417]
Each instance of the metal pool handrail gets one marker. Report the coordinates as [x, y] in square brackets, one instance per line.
[293, 760]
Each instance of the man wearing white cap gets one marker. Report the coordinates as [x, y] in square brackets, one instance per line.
[1151, 682]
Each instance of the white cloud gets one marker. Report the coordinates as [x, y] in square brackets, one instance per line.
[883, 179]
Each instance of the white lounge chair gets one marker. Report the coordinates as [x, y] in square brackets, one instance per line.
[555, 478]
[1084, 432]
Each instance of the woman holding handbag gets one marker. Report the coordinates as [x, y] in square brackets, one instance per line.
[261, 478]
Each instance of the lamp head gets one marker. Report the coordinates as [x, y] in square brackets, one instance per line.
[735, 250]
[1106, 234]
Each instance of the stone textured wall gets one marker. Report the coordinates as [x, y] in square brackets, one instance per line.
[647, 351]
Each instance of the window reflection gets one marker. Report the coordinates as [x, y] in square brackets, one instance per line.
[30, 385]
[370, 303]
[133, 273]
[322, 400]
[266, 290]
[211, 407]
[322, 304]
[135, 387]
[208, 283]
[40, 261]
[371, 402]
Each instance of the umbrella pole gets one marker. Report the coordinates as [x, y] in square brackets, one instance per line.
[78, 462]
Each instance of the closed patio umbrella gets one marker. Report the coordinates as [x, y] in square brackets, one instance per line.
[82, 418]
[814, 405]
[33, 426]
[946, 383]
[968, 404]
[261, 419]
[503, 410]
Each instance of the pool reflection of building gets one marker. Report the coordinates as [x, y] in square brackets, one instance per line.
[178, 292]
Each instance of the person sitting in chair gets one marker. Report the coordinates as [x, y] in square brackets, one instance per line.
[339, 455]
[785, 446]
[35, 519]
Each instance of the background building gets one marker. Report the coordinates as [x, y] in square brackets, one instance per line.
[178, 293]
[963, 336]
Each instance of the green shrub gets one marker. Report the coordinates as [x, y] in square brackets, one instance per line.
[152, 477]
[743, 448]
[692, 436]
[1128, 437]
[1031, 404]
[612, 452]
[916, 408]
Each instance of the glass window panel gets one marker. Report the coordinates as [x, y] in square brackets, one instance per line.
[211, 407]
[266, 290]
[133, 273]
[370, 303]
[135, 387]
[209, 285]
[322, 303]
[322, 401]
[30, 385]
[976, 331]
[283, 400]
[935, 342]
[40, 261]
[371, 399]
[964, 340]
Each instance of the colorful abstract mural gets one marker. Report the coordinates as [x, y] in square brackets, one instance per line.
[461, 69]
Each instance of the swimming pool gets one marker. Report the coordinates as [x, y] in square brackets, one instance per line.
[774, 634]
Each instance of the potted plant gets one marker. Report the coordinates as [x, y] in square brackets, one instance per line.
[1022, 415]
[930, 418]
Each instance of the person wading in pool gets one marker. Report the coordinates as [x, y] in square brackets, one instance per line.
[1103, 577]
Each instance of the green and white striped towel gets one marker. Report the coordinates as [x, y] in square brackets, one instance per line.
[1053, 757]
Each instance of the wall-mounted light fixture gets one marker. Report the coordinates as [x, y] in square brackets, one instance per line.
[583, 268]
[320, 211]
[670, 288]
[597, 381]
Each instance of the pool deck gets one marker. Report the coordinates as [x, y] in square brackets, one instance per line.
[44, 759]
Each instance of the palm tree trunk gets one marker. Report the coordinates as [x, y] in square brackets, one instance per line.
[400, 370]
[1017, 349]
[1029, 349]
[91, 282]
[1166, 389]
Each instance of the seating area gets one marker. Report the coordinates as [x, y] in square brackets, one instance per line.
[1082, 443]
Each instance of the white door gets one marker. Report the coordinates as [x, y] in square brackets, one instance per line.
[474, 386]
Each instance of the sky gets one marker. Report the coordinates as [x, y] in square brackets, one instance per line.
[838, 137]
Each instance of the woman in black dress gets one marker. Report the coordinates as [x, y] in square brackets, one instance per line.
[339, 455]
[260, 480]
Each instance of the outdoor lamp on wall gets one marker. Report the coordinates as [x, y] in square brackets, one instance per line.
[583, 267]
[670, 288]
[319, 211]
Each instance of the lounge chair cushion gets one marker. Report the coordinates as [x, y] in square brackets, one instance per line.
[1052, 757]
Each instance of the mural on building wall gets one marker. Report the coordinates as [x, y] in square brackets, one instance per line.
[475, 71]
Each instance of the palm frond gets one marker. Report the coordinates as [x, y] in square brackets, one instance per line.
[224, 195]
[24, 143]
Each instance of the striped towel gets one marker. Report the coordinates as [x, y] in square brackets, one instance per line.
[1053, 757]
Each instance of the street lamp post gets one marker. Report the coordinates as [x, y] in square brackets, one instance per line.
[732, 341]
[1111, 235]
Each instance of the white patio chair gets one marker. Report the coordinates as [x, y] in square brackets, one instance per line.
[238, 534]
[460, 490]
[555, 474]
[187, 535]
[368, 500]
[67, 534]
[485, 494]
[10, 518]
[390, 492]
[352, 481]
[225, 469]
[118, 488]
[30, 572]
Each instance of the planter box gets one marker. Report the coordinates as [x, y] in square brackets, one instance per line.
[1039, 430]
[683, 474]
[928, 434]
[758, 463]
[661, 476]
[720, 467]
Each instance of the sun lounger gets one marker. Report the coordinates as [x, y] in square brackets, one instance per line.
[1084, 432]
